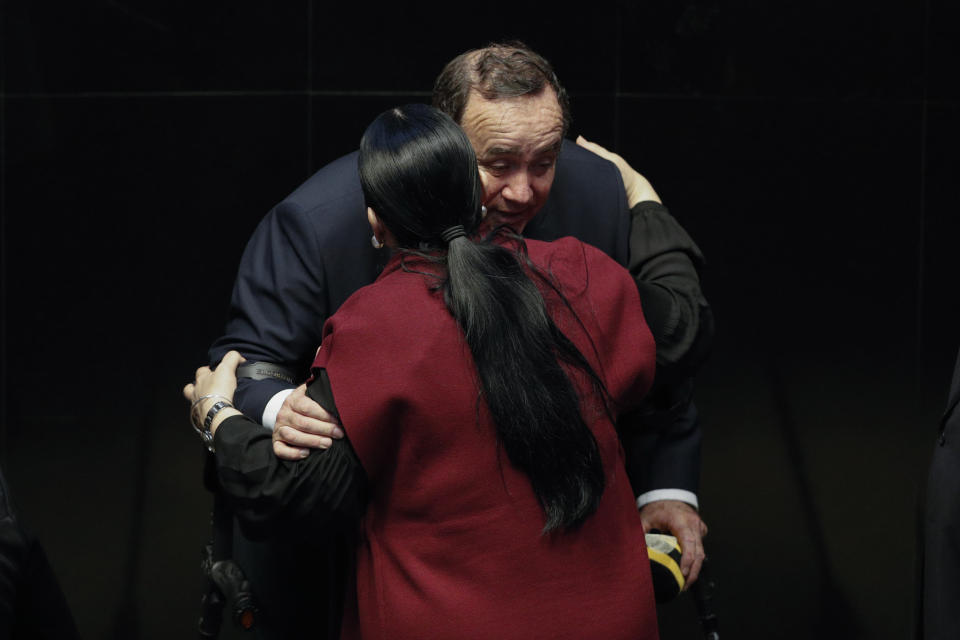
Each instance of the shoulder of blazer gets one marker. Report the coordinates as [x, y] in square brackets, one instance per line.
[335, 182]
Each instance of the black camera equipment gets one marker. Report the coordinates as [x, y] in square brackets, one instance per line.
[226, 585]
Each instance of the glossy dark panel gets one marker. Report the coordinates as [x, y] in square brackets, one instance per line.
[594, 117]
[938, 312]
[339, 122]
[809, 49]
[125, 220]
[808, 212]
[812, 204]
[124, 215]
[154, 46]
[943, 50]
[402, 47]
[841, 428]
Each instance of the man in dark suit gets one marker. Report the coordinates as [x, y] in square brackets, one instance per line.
[941, 566]
[312, 251]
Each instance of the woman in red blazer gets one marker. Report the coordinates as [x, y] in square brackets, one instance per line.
[478, 382]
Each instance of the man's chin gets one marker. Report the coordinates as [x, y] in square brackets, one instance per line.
[515, 220]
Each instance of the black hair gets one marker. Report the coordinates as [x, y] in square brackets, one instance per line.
[419, 175]
[499, 70]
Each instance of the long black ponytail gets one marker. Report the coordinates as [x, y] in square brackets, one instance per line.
[419, 175]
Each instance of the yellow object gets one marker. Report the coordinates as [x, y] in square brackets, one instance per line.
[665, 553]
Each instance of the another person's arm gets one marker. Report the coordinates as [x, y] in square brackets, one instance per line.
[664, 461]
[321, 488]
[665, 262]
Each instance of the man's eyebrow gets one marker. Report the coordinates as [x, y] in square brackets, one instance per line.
[501, 151]
[516, 151]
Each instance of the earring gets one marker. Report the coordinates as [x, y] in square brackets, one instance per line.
[376, 242]
[483, 211]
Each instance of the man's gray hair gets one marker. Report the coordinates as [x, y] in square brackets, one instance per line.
[504, 70]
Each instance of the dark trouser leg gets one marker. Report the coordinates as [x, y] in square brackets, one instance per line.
[297, 581]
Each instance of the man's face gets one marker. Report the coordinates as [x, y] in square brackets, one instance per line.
[517, 141]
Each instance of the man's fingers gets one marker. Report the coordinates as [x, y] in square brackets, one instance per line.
[647, 524]
[688, 545]
[700, 557]
[302, 405]
[311, 426]
[297, 438]
[303, 424]
[303, 414]
[692, 558]
[691, 542]
[683, 522]
[285, 452]
[188, 392]
[694, 572]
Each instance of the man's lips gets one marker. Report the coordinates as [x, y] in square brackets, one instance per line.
[508, 216]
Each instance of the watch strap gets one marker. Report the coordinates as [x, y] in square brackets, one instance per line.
[214, 410]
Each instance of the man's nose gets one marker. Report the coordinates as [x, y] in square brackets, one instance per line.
[519, 188]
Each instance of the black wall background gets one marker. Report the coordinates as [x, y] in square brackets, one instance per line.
[810, 148]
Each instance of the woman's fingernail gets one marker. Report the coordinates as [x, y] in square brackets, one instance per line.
[337, 432]
[304, 453]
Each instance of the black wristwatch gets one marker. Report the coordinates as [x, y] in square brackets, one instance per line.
[205, 434]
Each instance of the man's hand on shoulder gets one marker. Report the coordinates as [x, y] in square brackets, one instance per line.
[301, 425]
[638, 188]
[683, 522]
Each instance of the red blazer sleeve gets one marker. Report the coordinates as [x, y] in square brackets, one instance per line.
[356, 357]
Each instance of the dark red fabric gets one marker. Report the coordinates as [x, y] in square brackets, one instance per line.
[451, 542]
